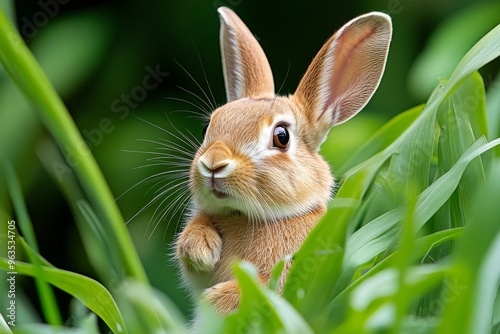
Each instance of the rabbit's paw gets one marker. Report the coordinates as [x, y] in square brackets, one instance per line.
[199, 249]
[224, 296]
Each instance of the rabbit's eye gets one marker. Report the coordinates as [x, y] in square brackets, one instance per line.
[281, 137]
[204, 131]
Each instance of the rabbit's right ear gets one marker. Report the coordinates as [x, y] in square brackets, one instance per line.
[246, 69]
[344, 74]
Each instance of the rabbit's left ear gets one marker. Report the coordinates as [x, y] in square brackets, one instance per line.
[246, 70]
[344, 74]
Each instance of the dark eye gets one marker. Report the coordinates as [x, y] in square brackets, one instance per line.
[204, 131]
[281, 137]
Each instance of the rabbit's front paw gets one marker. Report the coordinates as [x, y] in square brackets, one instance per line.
[224, 296]
[199, 249]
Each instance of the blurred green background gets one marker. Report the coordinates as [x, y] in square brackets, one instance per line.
[112, 60]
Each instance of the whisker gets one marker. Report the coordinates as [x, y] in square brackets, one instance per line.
[151, 202]
[170, 190]
[284, 80]
[191, 103]
[139, 183]
[160, 205]
[183, 182]
[168, 146]
[196, 82]
[214, 103]
[179, 203]
[193, 144]
[208, 105]
[193, 140]
[173, 166]
[142, 152]
[205, 117]
[170, 159]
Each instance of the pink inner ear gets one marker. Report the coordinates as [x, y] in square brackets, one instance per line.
[353, 67]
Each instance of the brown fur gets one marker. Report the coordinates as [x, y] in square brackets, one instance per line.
[256, 202]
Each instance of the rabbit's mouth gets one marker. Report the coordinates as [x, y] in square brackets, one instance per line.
[216, 186]
[219, 194]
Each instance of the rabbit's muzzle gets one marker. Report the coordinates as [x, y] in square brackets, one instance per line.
[215, 165]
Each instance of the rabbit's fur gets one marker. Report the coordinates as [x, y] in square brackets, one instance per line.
[258, 184]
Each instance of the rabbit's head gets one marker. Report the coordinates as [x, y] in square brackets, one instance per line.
[259, 155]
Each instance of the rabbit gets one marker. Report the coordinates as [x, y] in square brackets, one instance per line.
[258, 183]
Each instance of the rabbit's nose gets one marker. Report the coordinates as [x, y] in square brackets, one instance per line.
[217, 169]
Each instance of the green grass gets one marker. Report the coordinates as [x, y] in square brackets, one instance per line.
[410, 243]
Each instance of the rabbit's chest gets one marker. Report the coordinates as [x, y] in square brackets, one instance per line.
[261, 244]
[257, 244]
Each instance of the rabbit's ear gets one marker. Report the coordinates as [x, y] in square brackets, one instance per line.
[345, 73]
[246, 70]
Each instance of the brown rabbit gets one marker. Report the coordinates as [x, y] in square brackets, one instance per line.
[258, 184]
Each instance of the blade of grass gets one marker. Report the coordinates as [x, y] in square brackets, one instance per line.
[462, 119]
[402, 261]
[90, 292]
[145, 310]
[15, 192]
[410, 166]
[484, 51]
[433, 197]
[276, 274]
[476, 267]
[422, 246]
[46, 329]
[386, 135]
[370, 304]
[99, 238]
[8, 7]
[258, 302]
[100, 259]
[496, 310]
[47, 298]
[373, 238]
[24, 70]
[148, 311]
[493, 105]
[82, 318]
[4, 328]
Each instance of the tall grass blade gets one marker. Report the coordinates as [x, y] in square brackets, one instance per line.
[337, 308]
[90, 292]
[104, 261]
[475, 267]
[147, 310]
[24, 70]
[381, 139]
[262, 310]
[4, 328]
[47, 297]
